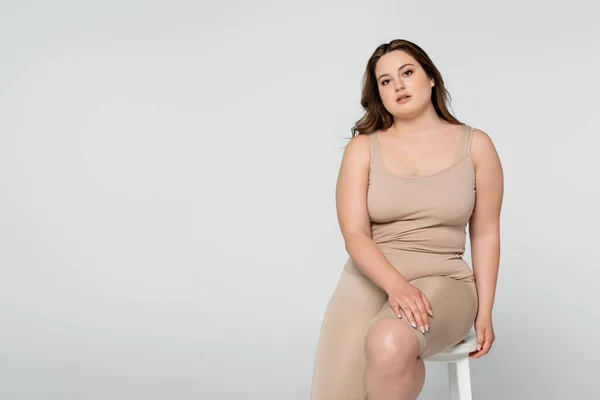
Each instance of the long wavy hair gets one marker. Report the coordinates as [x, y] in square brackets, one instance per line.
[376, 116]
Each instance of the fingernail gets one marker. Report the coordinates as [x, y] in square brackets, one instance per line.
[422, 329]
[413, 324]
[399, 316]
[478, 347]
[427, 327]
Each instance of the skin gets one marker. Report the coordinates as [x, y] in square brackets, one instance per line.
[415, 145]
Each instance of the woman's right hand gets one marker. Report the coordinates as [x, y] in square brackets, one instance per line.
[408, 299]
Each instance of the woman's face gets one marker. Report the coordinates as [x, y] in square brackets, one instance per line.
[399, 74]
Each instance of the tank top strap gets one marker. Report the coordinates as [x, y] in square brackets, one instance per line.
[375, 151]
[465, 148]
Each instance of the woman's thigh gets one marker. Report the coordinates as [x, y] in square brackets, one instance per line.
[340, 357]
[454, 305]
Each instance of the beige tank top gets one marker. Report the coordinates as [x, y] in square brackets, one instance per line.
[426, 214]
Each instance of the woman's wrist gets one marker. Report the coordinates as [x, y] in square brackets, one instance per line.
[394, 282]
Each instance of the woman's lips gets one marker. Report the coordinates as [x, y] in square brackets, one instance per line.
[404, 100]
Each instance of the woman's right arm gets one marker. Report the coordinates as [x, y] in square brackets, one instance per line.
[355, 225]
[353, 217]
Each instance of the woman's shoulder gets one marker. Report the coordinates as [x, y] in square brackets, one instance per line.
[482, 145]
[360, 142]
[480, 139]
[358, 149]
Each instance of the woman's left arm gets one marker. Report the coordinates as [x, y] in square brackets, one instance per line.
[484, 233]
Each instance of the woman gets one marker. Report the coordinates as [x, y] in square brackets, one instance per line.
[411, 178]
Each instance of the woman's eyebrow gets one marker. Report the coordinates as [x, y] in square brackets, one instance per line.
[398, 70]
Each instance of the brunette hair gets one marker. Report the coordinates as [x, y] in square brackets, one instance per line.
[376, 116]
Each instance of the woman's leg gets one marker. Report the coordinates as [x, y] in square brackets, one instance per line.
[394, 349]
[454, 305]
[340, 357]
[394, 370]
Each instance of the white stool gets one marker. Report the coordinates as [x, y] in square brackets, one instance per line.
[457, 358]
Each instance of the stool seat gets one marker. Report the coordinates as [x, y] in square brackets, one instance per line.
[458, 351]
[457, 358]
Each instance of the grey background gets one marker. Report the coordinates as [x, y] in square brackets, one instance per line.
[167, 176]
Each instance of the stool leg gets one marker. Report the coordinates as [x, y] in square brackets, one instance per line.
[464, 379]
[453, 380]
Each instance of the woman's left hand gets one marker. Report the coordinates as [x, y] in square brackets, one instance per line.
[485, 335]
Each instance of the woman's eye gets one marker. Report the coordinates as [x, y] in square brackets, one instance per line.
[384, 82]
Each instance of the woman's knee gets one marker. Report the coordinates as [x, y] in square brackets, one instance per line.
[390, 344]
